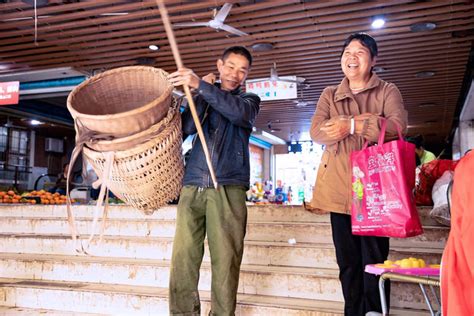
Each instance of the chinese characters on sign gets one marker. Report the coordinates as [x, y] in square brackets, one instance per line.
[273, 89]
[9, 92]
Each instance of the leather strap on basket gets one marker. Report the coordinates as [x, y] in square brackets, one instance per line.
[85, 136]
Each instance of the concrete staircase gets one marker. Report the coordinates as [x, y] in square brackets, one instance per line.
[127, 273]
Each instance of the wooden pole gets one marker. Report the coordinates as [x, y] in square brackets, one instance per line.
[192, 107]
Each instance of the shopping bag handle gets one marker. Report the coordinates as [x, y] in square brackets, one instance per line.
[383, 128]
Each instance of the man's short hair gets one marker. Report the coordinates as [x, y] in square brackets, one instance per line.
[239, 50]
[366, 40]
[417, 140]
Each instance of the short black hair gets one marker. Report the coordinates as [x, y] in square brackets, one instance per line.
[366, 40]
[239, 50]
[417, 140]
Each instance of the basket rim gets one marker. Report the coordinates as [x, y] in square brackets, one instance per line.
[92, 79]
[173, 125]
[172, 112]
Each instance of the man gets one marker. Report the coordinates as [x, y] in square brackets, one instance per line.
[422, 155]
[227, 117]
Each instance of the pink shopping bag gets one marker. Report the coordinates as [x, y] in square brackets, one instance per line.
[383, 179]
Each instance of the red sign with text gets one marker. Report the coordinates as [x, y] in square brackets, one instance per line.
[9, 92]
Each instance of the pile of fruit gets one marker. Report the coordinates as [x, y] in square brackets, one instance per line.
[33, 197]
[407, 263]
[47, 197]
[11, 197]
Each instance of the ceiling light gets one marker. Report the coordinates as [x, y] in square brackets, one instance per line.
[378, 23]
[154, 47]
[425, 74]
[378, 69]
[422, 26]
[262, 47]
[26, 18]
[114, 13]
[35, 122]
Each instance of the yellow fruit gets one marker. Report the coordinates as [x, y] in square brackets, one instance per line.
[388, 263]
[406, 263]
[422, 263]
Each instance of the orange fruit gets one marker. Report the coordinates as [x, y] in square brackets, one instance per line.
[11, 192]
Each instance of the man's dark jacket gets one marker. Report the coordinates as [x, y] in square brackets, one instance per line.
[227, 128]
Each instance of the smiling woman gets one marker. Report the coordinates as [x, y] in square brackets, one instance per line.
[347, 116]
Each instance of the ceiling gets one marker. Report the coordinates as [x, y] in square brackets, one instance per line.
[307, 36]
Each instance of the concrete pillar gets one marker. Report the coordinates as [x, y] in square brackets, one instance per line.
[466, 136]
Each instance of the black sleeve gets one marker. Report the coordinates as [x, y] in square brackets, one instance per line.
[240, 110]
[188, 126]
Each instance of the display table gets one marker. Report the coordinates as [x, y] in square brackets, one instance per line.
[421, 276]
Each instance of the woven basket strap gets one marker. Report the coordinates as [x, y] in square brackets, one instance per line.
[83, 136]
[103, 194]
[70, 214]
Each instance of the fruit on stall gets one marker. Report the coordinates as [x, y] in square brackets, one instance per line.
[407, 263]
[33, 197]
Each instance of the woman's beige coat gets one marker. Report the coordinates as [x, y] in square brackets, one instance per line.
[332, 191]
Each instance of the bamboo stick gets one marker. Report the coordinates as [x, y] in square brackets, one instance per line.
[192, 107]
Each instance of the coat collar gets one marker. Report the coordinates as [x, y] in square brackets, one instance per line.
[344, 91]
[237, 90]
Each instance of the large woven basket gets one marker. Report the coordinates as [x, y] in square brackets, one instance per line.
[121, 101]
[146, 175]
[124, 143]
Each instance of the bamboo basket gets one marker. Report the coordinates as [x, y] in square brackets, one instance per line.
[122, 101]
[147, 175]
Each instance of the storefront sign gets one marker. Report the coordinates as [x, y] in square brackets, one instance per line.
[256, 164]
[273, 89]
[9, 92]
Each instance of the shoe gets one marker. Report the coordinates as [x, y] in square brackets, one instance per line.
[373, 314]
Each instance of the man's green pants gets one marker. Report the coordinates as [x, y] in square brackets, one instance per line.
[223, 215]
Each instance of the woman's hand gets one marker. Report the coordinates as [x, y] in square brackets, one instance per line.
[337, 128]
[359, 121]
[184, 76]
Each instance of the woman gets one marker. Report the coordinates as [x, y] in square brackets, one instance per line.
[346, 116]
[457, 271]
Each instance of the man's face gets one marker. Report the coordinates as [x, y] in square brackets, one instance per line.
[233, 71]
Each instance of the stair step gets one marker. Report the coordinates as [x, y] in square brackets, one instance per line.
[142, 300]
[279, 213]
[316, 255]
[433, 236]
[22, 311]
[296, 282]
[136, 250]
[254, 279]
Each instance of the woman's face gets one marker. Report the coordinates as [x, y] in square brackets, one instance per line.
[356, 61]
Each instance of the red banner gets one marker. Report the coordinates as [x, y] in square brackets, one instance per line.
[9, 92]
